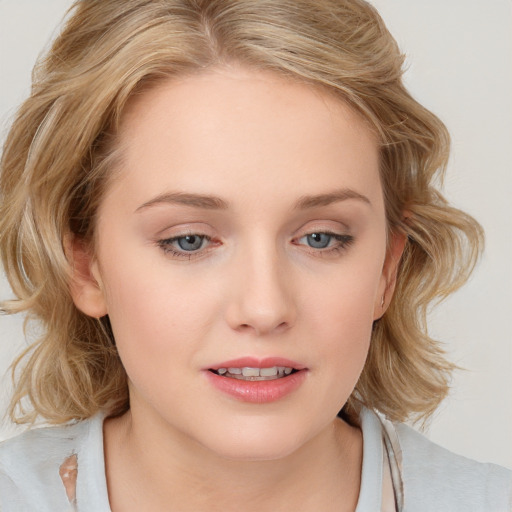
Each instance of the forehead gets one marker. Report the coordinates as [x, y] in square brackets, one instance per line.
[228, 128]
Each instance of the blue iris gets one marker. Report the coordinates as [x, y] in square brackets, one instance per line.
[319, 240]
[190, 242]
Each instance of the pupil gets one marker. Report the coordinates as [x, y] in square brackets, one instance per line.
[319, 240]
[190, 242]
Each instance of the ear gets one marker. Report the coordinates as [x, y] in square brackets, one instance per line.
[85, 283]
[389, 274]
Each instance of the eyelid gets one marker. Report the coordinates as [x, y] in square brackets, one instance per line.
[184, 229]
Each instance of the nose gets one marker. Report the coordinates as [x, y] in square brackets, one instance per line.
[262, 301]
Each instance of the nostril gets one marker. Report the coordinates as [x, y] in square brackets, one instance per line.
[246, 328]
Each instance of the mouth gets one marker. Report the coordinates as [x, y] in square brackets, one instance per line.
[248, 373]
[257, 380]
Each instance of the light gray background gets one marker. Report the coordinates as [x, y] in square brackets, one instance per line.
[460, 66]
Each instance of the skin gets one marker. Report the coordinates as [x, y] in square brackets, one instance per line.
[255, 287]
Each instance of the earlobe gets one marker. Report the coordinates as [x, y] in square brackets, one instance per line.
[389, 274]
[85, 282]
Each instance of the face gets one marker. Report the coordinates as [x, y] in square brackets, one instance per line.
[244, 232]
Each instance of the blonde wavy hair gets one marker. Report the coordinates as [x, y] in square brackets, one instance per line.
[62, 148]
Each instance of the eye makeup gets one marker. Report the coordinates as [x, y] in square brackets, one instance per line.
[193, 245]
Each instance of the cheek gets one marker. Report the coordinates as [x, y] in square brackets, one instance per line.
[158, 314]
[346, 336]
[342, 316]
[156, 334]
[347, 295]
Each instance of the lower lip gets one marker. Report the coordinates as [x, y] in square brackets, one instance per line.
[259, 391]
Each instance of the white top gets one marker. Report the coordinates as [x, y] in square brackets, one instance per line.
[398, 464]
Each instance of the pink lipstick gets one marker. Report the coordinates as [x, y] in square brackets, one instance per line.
[256, 380]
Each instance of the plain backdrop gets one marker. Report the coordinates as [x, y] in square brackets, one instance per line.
[459, 57]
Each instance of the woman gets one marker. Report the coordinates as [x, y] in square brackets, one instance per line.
[223, 214]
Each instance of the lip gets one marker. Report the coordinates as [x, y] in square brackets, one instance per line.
[255, 362]
[260, 392]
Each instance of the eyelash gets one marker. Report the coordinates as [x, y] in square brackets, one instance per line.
[343, 242]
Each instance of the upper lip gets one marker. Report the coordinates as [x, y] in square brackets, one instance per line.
[256, 362]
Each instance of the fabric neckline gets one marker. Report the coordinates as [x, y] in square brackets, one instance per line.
[92, 492]
[370, 492]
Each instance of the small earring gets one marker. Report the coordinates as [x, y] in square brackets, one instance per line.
[382, 302]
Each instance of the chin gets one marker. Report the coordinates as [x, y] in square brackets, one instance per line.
[257, 442]
[255, 452]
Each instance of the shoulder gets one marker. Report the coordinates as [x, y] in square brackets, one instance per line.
[436, 479]
[30, 465]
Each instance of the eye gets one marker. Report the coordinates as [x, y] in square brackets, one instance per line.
[184, 245]
[190, 242]
[325, 241]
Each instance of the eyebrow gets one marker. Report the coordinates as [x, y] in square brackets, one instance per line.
[195, 200]
[343, 194]
[208, 202]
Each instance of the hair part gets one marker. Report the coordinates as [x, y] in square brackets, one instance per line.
[62, 151]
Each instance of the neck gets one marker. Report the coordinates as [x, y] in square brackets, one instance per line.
[172, 471]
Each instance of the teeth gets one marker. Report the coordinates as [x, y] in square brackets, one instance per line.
[268, 372]
[251, 372]
[248, 373]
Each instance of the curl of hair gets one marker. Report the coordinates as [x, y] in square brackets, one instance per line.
[61, 152]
